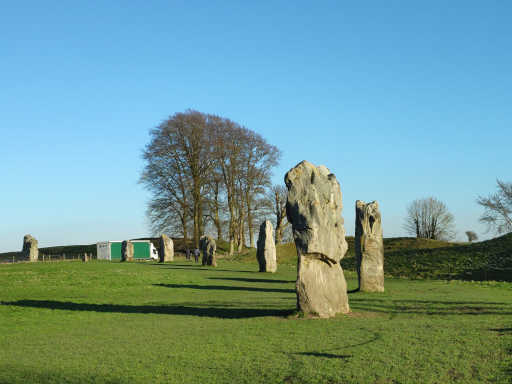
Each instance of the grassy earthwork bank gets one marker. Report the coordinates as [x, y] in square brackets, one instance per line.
[413, 258]
[142, 322]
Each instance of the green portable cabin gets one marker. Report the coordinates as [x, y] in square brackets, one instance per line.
[111, 250]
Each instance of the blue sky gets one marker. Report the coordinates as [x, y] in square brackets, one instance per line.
[400, 99]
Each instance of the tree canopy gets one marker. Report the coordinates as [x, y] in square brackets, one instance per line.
[205, 169]
[498, 208]
[429, 218]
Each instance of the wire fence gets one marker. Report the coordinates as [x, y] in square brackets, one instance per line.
[19, 257]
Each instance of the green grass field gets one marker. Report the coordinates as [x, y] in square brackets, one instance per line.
[102, 322]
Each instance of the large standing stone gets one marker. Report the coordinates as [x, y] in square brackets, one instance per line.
[127, 251]
[266, 253]
[30, 250]
[166, 249]
[314, 209]
[208, 248]
[369, 247]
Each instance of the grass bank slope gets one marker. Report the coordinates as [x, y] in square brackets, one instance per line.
[110, 322]
[423, 258]
[486, 260]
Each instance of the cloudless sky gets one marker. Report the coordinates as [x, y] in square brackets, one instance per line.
[400, 99]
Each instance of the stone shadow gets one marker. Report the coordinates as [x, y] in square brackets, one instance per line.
[250, 280]
[431, 307]
[507, 369]
[321, 354]
[197, 267]
[17, 374]
[215, 312]
[226, 288]
[376, 336]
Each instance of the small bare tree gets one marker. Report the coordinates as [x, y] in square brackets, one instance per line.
[429, 219]
[472, 236]
[498, 209]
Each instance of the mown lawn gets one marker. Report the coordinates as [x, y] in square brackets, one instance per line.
[101, 322]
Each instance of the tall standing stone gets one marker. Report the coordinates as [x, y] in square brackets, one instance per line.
[266, 252]
[127, 251]
[166, 249]
[30, 250]
[369, 247]
[208, 247]
[314, 209]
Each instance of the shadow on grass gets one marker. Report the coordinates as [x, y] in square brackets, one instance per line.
[15, 374]
[197, 267]
[226, 288]
[216, 312]
[249, 280]
[508, 368]
[376, 336]
[376, 299]
[431, 307]
[328, 355]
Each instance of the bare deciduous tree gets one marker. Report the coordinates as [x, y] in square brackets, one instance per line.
[472, 236]
[205, 169]
[429, 219]
[259, 159]
[277, 200]
[215, 202]
[182, 144]
[170, 208]
[498, 209]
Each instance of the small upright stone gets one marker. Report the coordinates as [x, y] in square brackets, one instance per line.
[30, 250]
[127, 251]
[266, 253]
[166, 249]
[208, 248]
[369, 247]
[314, 209]
[85, 257]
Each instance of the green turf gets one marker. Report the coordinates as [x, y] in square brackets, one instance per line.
[424, 258]
[287, 254]
[102, 322]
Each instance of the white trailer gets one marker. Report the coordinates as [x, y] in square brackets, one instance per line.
[111, 250]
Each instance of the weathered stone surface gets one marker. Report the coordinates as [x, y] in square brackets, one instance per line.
[127, 251]
[166, 249]
[314, 209]
[30, 250]
[369, 247]
[208, 247]
[85, 257]
[266, 253]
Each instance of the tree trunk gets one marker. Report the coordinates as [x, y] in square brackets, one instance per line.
[231, 227]
[201, 218]
[218, 224]
[249, 221]
[197, 211]
[241, 235]
[279, 234]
